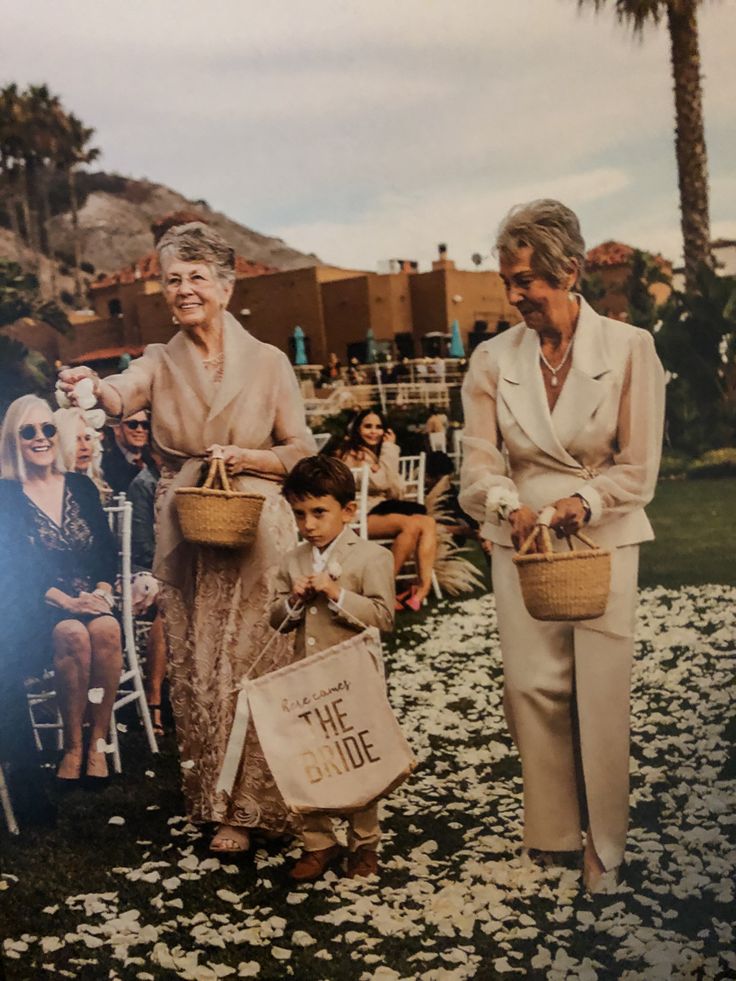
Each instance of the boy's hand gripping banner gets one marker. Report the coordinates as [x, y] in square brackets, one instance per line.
[326, 728]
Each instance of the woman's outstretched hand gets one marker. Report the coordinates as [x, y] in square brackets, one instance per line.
[522, 522]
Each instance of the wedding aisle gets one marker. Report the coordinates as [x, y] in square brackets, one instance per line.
[131, 891]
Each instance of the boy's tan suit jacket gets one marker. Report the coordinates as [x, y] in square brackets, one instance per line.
[366, 575]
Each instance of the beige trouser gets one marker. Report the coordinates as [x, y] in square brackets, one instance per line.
[363, 831]
[551, 669]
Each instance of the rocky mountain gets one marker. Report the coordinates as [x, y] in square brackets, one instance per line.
[115, 217]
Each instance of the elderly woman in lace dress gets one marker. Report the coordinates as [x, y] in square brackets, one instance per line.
[214, 387]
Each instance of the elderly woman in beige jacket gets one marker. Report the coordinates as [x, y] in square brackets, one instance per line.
[214, 387]
[564, 410]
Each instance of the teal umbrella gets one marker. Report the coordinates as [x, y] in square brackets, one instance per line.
[300, 352]
[456, 343]
[370, 347]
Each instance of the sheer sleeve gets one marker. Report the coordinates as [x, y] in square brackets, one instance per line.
[630, 483]
[292, 439]
[134, 384]
[484, 467]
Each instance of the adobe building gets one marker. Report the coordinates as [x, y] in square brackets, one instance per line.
[381, 302]
[476, 299]
[611, 262]
[271, 306]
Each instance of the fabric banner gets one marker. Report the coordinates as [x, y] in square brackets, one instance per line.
[326, 728]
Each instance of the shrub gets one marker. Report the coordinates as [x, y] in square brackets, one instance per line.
[674, 464]
[714, 463]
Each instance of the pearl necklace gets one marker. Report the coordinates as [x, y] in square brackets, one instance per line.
[553, 371]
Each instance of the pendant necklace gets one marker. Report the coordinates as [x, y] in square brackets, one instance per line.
[553, 371]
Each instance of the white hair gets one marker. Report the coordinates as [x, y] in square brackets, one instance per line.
[552, 231]
[12, 465]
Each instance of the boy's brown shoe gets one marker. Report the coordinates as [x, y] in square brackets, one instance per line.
[311, 865]
[362, 862]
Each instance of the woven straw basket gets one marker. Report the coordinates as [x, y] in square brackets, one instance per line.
[211, 515]
[570, 585]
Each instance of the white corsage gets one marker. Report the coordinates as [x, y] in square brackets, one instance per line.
[500, 502]
[334, 570]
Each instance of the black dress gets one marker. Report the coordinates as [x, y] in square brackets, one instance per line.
[36, 554]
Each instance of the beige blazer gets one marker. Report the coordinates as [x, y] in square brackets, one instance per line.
[603, 438]
[366, 575]
[385, 481]
[256, 405]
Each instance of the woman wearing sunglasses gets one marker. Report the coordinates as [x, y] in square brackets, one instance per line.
[58, 558]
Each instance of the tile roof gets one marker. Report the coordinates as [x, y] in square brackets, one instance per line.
[148, 268]
[618, 254]
[108, 353]
[609, 254]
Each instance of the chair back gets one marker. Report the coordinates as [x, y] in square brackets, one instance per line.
[412, 471]
[321, 439]
[362, 480]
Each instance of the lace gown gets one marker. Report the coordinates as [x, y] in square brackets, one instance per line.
[213, 639]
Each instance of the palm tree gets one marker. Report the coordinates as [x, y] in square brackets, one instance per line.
[13, 150]
[692, 162]
[74, 151]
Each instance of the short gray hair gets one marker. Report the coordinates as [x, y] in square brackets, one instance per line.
[67, 423]
[197, 242]
[12, 465]
[552, 231]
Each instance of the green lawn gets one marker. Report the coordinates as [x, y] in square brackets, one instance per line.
[70, 885]
[692, 520]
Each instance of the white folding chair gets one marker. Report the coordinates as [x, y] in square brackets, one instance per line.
[362, 478]
[321, 439]
[46, 719]
[412, 470]
[457, 449]
[7, 806]
[130, 686]
[438, 442]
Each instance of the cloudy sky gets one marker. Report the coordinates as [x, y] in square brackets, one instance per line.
[369, 129]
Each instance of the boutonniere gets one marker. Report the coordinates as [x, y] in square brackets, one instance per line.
[334, 570]
[500, 502]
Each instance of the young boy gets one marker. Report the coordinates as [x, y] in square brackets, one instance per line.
[328, 587]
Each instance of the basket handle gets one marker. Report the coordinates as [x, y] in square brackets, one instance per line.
[542, 530]
[217, 469]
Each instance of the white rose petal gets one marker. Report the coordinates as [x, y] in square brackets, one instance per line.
[95, 695]
[116, 819]
[280, 953]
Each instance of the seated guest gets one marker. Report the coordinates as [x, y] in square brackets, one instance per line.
[141, 494]
[80, 447]
[123, 454]
[330, 373]
[369, 440]
[67, 556]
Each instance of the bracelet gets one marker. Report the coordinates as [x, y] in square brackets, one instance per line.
[586, 507]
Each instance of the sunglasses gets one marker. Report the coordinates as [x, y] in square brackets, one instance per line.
[136, 424]
[30, 431]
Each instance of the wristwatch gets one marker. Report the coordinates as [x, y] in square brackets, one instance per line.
[586, 507]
